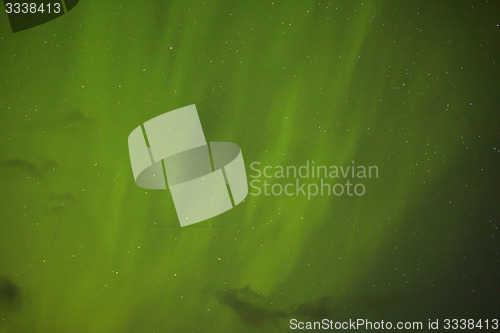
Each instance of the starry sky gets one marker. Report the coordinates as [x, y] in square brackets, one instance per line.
[411, 87]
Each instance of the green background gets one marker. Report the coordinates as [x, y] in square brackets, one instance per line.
[409, 86]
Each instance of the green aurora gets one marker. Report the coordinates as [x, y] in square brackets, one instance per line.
[411, 87]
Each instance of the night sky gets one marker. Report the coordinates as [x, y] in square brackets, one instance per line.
[411, 87]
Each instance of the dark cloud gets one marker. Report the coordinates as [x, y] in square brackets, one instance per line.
[10, 294]
[23, 166]
[62, 201]
[76, 117]
[249, 306]
[254, 309]
[37, 170]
